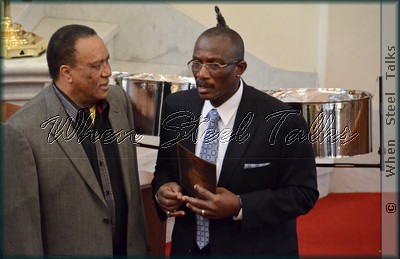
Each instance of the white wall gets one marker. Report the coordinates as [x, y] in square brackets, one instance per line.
[282, 35]
[353, 49]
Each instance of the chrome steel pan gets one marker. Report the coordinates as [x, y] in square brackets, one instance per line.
[339, 120]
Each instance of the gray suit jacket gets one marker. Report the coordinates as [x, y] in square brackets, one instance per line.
[53, 204]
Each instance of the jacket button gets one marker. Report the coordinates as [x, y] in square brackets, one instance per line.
[106, 221]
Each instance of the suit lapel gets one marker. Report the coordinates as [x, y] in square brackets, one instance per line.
[117, 122]
[73, 150]
[246, 122]
[190, 142]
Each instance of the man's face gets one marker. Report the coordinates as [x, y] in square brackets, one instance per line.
[91, 73]
[220, 85]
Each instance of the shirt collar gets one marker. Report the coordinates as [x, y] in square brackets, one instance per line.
[72, 108]
[228, 108]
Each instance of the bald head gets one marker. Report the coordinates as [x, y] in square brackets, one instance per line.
[226, 33]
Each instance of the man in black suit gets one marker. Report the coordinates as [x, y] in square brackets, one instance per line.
[266, 170]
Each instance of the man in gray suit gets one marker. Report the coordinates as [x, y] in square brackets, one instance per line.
[70, 183]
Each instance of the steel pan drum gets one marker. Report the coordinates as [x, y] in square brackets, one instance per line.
[147, 93]
[339, 120]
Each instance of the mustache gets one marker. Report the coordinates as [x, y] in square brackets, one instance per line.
[106, 82]
[202, 83]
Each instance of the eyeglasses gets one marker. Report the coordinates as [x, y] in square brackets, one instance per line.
[212, 67]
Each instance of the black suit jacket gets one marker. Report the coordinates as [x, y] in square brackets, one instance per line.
[269, 162]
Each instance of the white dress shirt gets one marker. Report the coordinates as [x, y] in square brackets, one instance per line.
[227, 112]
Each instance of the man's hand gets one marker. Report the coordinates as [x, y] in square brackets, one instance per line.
[223, 204]
[169, 197]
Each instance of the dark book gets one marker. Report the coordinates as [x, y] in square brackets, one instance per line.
[194, 170]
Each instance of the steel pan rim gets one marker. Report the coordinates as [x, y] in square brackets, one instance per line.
[184, 80]
[365, 95]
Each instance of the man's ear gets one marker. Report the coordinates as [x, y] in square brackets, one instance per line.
[240, 68]
[66, 73]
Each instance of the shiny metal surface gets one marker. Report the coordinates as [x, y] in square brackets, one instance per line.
[339, 120]
[147, 93]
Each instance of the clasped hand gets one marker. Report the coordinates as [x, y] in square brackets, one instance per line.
[213, 206]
